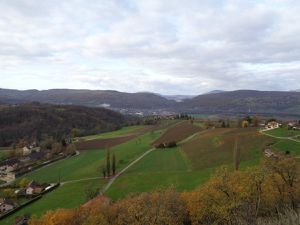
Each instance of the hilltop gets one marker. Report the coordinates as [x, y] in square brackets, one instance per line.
[92, 98]
[215, 102]
[245, 101]
[35, 121]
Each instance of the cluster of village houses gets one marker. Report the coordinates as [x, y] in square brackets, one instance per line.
[295, 125]
[32, 189]
[28, 157]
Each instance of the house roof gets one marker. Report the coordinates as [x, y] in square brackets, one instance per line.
[37, 155]
[9, 162]
[7, 201]
[33, 184]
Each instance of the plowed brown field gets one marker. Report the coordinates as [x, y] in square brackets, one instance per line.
[178, 133]
[103, 143]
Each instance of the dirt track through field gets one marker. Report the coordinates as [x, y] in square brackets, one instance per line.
[112, 180]
[282, 138]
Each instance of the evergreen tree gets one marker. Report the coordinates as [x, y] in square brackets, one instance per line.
[113, 164]
[223, 125]
[108, 162]
[104, 171]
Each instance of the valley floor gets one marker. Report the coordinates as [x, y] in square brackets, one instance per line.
[185, 167]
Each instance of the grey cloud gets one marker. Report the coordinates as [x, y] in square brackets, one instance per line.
[166, 46]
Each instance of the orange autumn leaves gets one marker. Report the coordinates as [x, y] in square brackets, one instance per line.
[227, 198]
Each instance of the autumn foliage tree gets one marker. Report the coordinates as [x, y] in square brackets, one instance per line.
[227, 198]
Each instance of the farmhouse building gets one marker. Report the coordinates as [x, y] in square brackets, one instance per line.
[34, 188]
[294, 125]
[31, 149]
[6, 205]
[9, 165]
[273, 125]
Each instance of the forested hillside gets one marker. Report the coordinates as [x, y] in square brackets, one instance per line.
[93, 98]
[245, 101]
[35, 121]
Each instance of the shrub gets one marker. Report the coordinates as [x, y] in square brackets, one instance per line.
[160, 145]
[171, 144]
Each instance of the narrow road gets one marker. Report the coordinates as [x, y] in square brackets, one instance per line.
[40, 168]
[79, 180]
[113, 179]
[282, 138]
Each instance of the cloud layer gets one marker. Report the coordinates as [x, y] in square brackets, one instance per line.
[170, 47]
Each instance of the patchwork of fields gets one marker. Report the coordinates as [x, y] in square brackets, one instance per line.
[286, 140]
[184, 167]
[84, 166]
[190, 164]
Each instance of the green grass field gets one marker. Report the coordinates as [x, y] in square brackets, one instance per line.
[159, 170]
[67, 196]
[184, 167]
[283, 132]
[85, 165]
[287, 145]
[215, 148]
[118, 133]
[192, 163]
[199, 124]
[3, 152]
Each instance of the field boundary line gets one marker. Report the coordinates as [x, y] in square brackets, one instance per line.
[281, 138]
[80, 180]
[113, 179]
[194, 135]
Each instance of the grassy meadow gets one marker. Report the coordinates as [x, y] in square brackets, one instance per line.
[184, 167]
[283, 132]
[288, 145]
[86, 165]
[68, 196]
[191, 163]
[125, 131]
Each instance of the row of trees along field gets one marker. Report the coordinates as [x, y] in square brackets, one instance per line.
[229, 197]
[110, 165]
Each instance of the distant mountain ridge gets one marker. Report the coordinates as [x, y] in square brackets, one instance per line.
[97, 98]
[242, 101]
[246, 101]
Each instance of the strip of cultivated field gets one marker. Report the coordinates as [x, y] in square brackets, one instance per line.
[80, 171]
[190, 164]
[178, 132]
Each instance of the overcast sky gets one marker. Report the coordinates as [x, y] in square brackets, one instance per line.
[163, 46]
